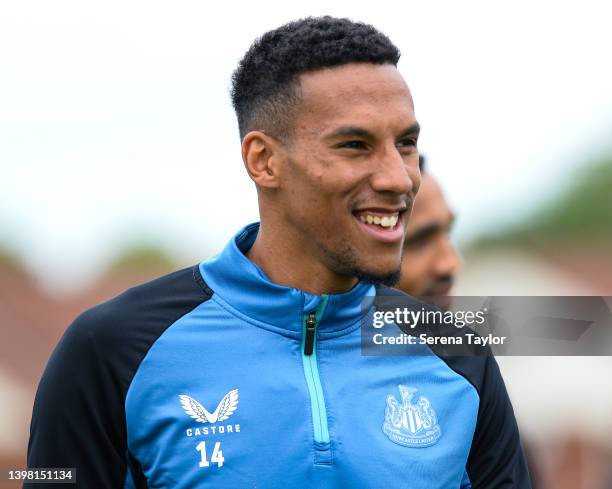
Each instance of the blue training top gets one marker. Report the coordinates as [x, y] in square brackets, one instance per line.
[215, 377]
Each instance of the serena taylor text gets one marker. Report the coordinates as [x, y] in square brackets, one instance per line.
[423, 339]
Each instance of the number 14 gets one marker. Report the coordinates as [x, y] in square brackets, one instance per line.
[217, 455]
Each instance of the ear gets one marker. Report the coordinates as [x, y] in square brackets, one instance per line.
[262, 155]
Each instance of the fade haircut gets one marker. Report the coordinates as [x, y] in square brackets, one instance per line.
[265, 86]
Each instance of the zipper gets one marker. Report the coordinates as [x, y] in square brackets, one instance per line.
[311, 329]
[313, 381]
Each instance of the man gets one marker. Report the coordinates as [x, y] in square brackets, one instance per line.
[245, 371]
[430, 259]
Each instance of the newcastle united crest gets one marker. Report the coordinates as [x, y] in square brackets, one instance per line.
[412, 422]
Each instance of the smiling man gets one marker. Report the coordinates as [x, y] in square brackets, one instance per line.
[339, 182]
[246, 370]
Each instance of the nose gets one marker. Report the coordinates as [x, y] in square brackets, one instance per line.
[448, 261]
[396, 173]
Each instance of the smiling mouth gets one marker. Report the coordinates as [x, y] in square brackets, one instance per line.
[386, 221]
[382, 218]
[382, 224]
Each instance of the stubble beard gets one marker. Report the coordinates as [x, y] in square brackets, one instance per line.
[343, 261]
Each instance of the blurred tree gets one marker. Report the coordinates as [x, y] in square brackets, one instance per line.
[9, 261]
[583, 213]
[142, 258]
[579, 216]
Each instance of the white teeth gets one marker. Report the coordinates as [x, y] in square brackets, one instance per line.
[385, 221]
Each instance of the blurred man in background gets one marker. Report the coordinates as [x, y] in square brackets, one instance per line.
[430, 260]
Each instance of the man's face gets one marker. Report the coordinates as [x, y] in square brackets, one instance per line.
[430, 259]
[352, 169]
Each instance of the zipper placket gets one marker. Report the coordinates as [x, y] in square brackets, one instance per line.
[313, 381]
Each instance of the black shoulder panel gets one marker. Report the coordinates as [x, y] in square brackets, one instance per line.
[79, 416]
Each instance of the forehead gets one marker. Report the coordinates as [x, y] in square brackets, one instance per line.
[354, 93]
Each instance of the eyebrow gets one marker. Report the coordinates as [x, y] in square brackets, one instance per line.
[428, 230]
[413, 130]
[421, 233]
[356, 131]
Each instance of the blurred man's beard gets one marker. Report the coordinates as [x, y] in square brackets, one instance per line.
[343, 262]
[432, 296]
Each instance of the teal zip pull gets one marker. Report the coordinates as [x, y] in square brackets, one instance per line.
[311, 327]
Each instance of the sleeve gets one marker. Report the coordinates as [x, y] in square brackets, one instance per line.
[79, 415]
[78, 418]
[496, 459]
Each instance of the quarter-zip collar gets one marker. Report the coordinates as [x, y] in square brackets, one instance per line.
[245, 287]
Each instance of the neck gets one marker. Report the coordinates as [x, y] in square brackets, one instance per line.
[285, 263]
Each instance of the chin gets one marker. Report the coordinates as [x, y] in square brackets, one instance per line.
[383, 263]
[377, 267]
[380, 275]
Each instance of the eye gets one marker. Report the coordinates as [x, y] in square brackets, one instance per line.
[416, 243]
[420, 239]
[407, 143]
[356, 144]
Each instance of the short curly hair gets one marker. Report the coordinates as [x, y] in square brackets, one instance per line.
[264, 86]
